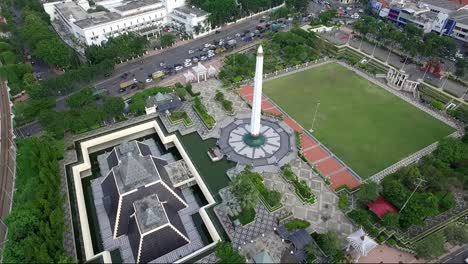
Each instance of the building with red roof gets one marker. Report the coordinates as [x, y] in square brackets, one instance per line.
[381, 206]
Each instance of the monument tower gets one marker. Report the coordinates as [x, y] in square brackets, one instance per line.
[257, 95]
[257, 141]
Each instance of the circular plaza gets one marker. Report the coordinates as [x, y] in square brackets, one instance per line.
[275, 145]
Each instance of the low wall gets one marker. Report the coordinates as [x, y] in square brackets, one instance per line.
[108, 140]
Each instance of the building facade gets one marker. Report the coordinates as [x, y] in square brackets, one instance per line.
[110, 18]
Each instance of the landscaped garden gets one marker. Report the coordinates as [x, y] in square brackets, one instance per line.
[364, 125]
[417, 192]
[180, 116]
[200, 109]
[248, 188]
[300, 186]
[226, 104]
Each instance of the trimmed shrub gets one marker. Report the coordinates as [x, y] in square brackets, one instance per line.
[296, 223]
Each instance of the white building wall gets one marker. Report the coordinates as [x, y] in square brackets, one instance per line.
[171, 4]
[99, 33]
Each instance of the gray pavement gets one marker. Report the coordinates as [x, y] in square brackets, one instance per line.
[458, 256]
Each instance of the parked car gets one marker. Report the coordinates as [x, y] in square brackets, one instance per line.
[211, 55]
[195, 59]
[203, 58]
[179, 68]
[187, 64]
[149, 80]
[207, 45]
[191, 52]
[187, 60]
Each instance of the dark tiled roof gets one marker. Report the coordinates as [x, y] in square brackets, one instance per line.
[300, 239]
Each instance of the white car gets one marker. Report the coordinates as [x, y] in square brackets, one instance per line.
[348, 8]
[203, 58]
[190, 52]
[149, 80]
[187, 60]
[179, 68]
[207, 45]
[210, 55]
[355, 16]
[187, 64]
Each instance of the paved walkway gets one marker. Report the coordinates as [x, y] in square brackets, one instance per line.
[312, 149]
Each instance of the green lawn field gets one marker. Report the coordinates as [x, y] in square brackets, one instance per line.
[364, 125]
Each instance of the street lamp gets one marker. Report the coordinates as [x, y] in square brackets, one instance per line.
[315, 115]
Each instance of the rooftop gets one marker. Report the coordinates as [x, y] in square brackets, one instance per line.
[192, 11]
[461, 16]
[134, 170]
[136, 4]
[381, 206]
[178, 172]
[150, 213]
[72, 9]
[445, 4]
[97, 18]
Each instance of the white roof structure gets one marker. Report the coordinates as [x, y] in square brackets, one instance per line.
[212, 71]
[189, 76]
[200, 70]
[361, 242]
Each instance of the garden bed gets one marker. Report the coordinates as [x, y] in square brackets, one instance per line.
[179, 117]
[270, 198]
[201, 111]
[300, 186]
[225, 104]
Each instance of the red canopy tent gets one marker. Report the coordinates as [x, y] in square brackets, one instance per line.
[381, 207]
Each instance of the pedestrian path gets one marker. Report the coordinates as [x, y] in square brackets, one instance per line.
[317, 154]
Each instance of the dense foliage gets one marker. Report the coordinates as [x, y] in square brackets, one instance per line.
[368, 192]
[411, 40]
[249, 184]
[300, 186]
[35, 224]
[117, 49]
[201, 110]
[281, 50]
[431, 246]
[296, 224]
[227, 254]
[330, 244]
[225, 11]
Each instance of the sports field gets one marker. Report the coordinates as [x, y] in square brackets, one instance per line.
[362, 124]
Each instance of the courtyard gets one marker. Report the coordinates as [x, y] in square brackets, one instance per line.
[365, 126]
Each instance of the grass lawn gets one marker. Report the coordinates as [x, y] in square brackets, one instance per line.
[364, 125]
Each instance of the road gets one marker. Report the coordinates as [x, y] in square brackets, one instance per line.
[458, 256]
[6, 159]
[140, 69]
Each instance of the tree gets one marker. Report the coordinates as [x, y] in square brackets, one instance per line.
[418, 208]
[113, 107]
[167, 40]
[227, 254]
[461, 67]
[54, 52]
[244, 190]
[368, 192]
[409, 176]
[394, 191]
[330, 245]
[456, 234]
[297, 5]
[327, 16]
[361, 217]
[451, 150]
[391, 220]
[431, 246]
[80, 99]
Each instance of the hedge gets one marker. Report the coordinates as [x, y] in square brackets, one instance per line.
[200, 109]
[296, 223]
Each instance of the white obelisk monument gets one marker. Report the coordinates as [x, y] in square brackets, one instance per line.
[257, 96]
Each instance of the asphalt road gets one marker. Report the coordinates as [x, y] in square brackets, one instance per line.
[177, 55]
[458, 256]
[6, 159]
